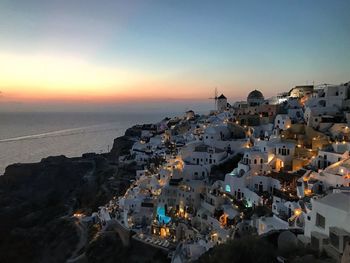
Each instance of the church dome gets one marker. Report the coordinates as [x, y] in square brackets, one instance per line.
[255, 94]
[255, 98]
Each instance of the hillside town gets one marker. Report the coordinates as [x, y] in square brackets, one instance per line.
[289, 174]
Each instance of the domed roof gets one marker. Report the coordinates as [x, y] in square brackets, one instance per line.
[255, 94]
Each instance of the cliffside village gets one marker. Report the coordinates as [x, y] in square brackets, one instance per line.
[292, 175]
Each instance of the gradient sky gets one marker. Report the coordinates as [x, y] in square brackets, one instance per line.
[118, 51]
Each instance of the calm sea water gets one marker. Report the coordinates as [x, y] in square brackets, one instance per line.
[29, 137]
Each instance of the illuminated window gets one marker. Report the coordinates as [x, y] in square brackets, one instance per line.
[228, 188]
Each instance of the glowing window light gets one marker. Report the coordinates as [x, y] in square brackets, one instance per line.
[228, 188]
[297, 212]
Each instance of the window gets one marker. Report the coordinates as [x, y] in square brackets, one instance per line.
[320, 220]
[228, 188]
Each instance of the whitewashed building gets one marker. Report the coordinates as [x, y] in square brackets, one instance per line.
[221, 103]
[327, 226]
[282, 122]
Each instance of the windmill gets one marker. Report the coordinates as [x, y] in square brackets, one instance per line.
[215, 98]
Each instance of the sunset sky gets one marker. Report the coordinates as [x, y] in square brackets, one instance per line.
[118, 51]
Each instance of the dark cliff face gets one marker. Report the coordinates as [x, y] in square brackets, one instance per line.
[37, 201]
[123, 144]
[133, 132]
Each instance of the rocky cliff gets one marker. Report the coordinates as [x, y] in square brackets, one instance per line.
[37, 201]
[123, 144]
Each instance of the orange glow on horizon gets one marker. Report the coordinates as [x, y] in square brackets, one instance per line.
[35, 78]
[144, 93]
[76, 97]
[42, 77]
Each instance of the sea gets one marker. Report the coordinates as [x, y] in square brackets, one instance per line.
[28, 137]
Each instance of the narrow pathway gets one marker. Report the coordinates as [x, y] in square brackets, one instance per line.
[82, 242]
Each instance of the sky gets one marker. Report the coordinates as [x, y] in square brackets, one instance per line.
[84, 52]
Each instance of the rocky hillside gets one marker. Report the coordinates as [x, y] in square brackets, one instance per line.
[123, 144]
[253, 249]
[37, 201]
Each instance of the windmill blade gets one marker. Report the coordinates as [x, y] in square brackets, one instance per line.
[215, 98]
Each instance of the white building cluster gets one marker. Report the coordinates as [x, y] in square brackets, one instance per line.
[292, 173]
